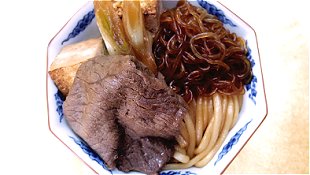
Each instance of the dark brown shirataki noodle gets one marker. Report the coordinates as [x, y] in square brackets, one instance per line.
[198, 56]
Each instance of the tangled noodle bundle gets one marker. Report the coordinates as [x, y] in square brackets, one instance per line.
[198, 56]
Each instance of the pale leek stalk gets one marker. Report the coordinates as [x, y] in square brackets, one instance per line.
[137, 35]
[111, 28]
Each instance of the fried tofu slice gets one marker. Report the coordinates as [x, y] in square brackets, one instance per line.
[64, 67]
[151, 10]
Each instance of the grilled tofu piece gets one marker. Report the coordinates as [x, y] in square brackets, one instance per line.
[67, 62]
[151, 10]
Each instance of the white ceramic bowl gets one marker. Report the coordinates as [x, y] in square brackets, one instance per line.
[83, 26]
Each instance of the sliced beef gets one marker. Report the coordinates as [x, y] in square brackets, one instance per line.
[151, 108]
[113, 93]
[91, 106]
[146, 155]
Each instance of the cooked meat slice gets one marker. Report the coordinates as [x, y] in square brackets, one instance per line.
[151, 108]
[147, 155]
[87, 114]
[113, 93]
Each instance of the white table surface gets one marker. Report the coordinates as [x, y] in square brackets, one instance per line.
[280, 145]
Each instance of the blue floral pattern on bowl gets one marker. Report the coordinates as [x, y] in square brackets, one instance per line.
[234, 140]
[81, 25]
[59, 99]
[92, 155]
[177, 173]
[213, 10]
[251, 87]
